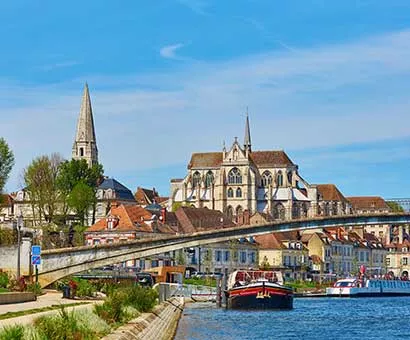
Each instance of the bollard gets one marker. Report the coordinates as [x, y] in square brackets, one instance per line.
[224, 287]
[218, 291]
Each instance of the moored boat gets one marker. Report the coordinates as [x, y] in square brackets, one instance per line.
[352, 287]
[258, 289]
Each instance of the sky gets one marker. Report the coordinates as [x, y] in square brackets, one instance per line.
[326, 81]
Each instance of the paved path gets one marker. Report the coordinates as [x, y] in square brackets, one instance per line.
[52, 297]
[28, 319]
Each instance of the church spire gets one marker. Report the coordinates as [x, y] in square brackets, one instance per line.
[247, 141]
[85, 143]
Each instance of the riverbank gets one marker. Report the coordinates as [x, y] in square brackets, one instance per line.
[160, 324]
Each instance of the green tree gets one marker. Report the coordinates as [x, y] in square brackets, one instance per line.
[395, 207]
[180, 259]
[265, 265]
[81, 199]
[6, 162]
[73, 172]
[40, 178]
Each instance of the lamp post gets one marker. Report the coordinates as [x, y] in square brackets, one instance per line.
[19, 225]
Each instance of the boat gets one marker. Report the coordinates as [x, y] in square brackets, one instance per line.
[353, 287]
[258, 289]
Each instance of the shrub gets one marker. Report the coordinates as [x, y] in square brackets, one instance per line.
[4, 280]
[142, 299]
[84, 288]
[12, 333]
[35, 288]
[87, 318]
[7, 237]
[112, 310]
[64, 326]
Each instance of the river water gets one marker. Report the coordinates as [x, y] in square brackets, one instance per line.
[311, 318]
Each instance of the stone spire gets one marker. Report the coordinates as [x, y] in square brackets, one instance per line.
[247, 141]
[85, 143]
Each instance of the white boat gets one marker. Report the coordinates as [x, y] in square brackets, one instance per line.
[353, 287]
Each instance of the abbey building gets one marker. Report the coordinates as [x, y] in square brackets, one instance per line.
[239, 180]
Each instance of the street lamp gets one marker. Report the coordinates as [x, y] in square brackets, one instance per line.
[19, 225]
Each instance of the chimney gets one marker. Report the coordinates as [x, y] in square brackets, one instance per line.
[163, 215]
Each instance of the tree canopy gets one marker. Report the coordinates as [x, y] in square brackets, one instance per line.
[81, 199]
[395, 207]
[6, 162]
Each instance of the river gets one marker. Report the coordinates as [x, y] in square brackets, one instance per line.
[311, 318]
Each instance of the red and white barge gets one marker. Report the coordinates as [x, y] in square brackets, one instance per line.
[258, 289]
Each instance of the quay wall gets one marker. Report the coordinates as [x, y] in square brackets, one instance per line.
[160, 324]
[8, 257]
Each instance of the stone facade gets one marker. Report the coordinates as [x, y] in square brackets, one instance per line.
[239, 179]
[85, 143]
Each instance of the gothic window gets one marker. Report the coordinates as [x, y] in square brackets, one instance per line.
[234, 176]
[280, 179]
[295, 210]
[238, 192]
[279, 211]
[326, 209]
[334, 208]
[230, 192]
[239, 211]
[229, 212]
[209, 179]
[290, 177]
[81, 152]
[235, 154]
[266, 179]
[196, 179]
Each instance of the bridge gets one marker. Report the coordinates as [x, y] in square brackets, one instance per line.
[58, 263]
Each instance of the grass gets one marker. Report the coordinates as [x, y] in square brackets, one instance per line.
[37, 310]
[207, 281]
[15, 332]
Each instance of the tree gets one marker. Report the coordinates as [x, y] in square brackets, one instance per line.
[75, 171]
[395, 207]
[6, 162]
[40, 178]
[81, 199]
[265, 265]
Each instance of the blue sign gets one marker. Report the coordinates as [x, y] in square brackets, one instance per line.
[36, 250]
[35, 260]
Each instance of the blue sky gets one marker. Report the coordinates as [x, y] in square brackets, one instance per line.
[327, 81]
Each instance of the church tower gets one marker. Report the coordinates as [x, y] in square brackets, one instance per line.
[85, 143]
[247, 140]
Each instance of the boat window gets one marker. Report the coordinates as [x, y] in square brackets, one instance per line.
[344, 284]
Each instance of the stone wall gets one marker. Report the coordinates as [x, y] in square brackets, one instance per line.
[14, 297]
[160, 324]
[8, 257]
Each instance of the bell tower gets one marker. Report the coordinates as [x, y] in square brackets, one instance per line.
[85, 143]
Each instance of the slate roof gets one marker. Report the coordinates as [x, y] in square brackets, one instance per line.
[121, 191]
[260, 158]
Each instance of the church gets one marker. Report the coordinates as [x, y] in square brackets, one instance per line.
[242, 182]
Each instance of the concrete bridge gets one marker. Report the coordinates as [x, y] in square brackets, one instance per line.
[58, 263]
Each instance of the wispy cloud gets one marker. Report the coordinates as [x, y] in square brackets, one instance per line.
[197, 6]
[169, 51]
[57, 65]
[325, 96]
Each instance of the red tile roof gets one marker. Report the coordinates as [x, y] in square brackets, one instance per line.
[330, 192]
[260, 158]
[269, 241]
[368, 203]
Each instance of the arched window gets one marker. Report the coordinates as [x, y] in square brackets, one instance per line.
[229, 212]
[326, 207]
[290, 177]
[81, 152]
[239, 192]
[266, 179]
[234, 176]
[209, 179]
[295, 210]
[280, 179]
[239, 210]
[196, 179]
[230, 192]
[279, 211]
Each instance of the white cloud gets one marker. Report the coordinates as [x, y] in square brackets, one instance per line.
[341, 94]
[169, 51]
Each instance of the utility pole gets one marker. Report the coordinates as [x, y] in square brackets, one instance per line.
[19, 225]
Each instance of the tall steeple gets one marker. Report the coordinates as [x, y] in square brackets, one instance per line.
[247, 140]
[85, 143]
